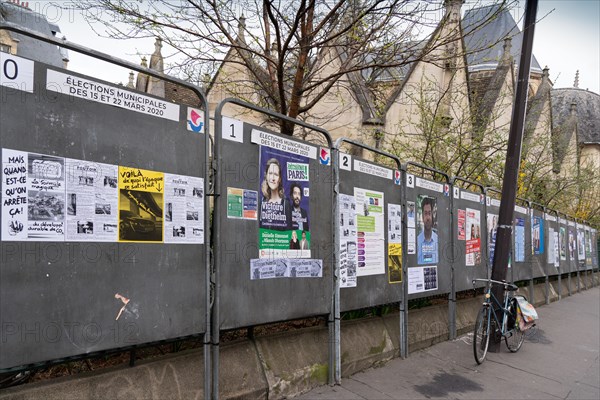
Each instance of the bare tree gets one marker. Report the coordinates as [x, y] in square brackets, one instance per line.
[295, 51]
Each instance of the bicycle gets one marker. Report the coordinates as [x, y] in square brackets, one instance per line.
[488, 321]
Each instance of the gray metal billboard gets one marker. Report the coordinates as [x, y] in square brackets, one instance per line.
[367, 278]
[94, 261]
[572, 245]
[492, 206]
[588, 248]
[552, 237]
[538, 241]
[521, 254]
[563, 244]
[429, 250]
[469, 234]
[581, 245]
[262, 276]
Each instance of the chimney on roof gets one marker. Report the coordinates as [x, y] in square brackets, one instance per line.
[130, 83]
[453, 9]
[506, 49]
[156, 86]
[142, 79]
[242, 28]
[576, 83]
[545, 75]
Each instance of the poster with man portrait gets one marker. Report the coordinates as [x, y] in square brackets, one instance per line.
[284, 216]
[427, 237]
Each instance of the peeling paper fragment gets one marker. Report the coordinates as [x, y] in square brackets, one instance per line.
[125, 301]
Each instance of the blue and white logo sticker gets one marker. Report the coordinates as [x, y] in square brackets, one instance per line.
[195, 120]
[325, 156]
[397, 177]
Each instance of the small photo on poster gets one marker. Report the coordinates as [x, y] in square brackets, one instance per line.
[410, 213]
[430, 278]
[45, 206]
[427, 238]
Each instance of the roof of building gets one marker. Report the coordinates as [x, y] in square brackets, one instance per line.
[28, 47]
[587, 108]
[485, 28]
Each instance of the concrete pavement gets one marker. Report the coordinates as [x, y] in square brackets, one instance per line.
[559, 360]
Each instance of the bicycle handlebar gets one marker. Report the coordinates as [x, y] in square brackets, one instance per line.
[507, 286]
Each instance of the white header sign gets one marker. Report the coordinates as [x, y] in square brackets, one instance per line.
[469, 196]
[16, 72]
[521, 210]
[111, 95]
[372, 169]
[425, 184]
[283, 144]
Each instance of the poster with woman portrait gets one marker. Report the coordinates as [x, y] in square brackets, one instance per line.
[284, 218]
[473, 241]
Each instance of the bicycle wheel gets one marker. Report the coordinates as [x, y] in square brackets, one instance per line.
[481, 336]
[514, 337]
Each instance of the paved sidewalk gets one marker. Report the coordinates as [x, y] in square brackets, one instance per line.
[559, 360]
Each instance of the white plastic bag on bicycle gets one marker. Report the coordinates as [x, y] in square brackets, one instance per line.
[527, 310]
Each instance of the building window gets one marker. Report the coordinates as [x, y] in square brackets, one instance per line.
[4, 48]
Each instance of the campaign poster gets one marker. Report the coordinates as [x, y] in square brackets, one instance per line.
[141, 200]
[284, 218]
[422, 279]
[537, 235]
[519, 239]
[92, 201]
[46, 197]
[348, 239]
[492, 226]
[184, 209]
[473, 243]
[462, 227]
[572, 245]
[427, 238]
[580, 245]
[14, 195]
[563, 243]
[550, 255]
[394, 243]
[264, 268]
[588, 248]
[370, 232]
[33, 196]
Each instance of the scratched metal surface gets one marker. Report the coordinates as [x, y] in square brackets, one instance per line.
[57, 299]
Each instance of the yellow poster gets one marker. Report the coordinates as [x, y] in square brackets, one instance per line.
[141, 200]
[394, 263]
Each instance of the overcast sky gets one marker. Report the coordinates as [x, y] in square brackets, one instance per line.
[567, 39]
